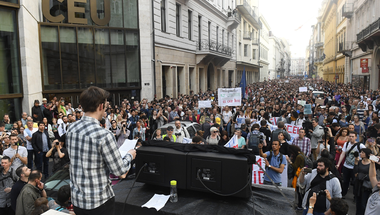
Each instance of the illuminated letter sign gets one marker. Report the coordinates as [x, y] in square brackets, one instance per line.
[73, 10]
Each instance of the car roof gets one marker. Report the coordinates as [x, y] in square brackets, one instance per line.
[318, 92]
[185, 123]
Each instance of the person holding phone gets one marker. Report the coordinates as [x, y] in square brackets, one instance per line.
[59, 153]
[373, 203]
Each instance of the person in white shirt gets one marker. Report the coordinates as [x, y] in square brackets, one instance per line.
[18, 154]
[180, 132]
[28, 133]
[62, 128]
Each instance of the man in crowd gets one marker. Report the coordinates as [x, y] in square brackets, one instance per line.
[254, 138]
[48, 113]
[23, 173]
[37, 112]
[62, 128]
[7, 179]
[6, 119]
[24, 117]
[268, 134]
[337, 206]
[33, 190]
[41, 145]
[275, 163]
[281, 128]
[28, 133]
[18, 154]
[316, 135]
[206, 127]
[91, 191]
[348, 152]
[169, 134]
[180, 132]
[303, 142]
[320, 181]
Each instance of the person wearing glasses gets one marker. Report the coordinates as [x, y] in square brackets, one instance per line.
[180, 132]
[169, 133]
[214, 137]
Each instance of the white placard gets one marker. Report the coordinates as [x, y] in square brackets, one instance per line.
[302, 102]
[204, 104]
[127, 145]
[229, 96]
[303, 89]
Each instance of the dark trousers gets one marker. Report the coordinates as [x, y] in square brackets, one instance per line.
[106, 208]
[361, 201]
[30, 159]
[7, 211]
[299, 198]
[270, 183]
[348, 174]
[41, 158]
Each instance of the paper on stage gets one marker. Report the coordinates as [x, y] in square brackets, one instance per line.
[127, 145]
[158, 201]
[54, 212]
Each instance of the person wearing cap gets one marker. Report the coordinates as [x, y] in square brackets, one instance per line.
[37, 111]
[44, 102]
[169, 133]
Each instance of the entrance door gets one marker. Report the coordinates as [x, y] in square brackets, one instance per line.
[210, 72]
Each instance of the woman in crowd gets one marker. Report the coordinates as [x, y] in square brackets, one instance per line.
[362, 188]
[359, 128]
[153, 122]
[114, 128]
[139, 129]
[326, 143]
[161, 118]
[21, 137]
[214, 137]
[54, 128]
[224, 138]
[366, 119]
[371, 145]
[157, 135]
[122, 133]
[253, 118]
[340, 139]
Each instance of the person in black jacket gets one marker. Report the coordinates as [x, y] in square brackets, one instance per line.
[266, 131]
[37, 114]
[41, 145]
[48, 113]
[206, 128]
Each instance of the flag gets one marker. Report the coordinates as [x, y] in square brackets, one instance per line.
[233, 143]
[243, 84]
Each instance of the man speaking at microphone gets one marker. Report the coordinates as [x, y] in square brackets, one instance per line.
[93, 156]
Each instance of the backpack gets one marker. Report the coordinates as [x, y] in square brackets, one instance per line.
[9, 176]
[253, 142]
[308, 162]
[271, 154]
[350, 158]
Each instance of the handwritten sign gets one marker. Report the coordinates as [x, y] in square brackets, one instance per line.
[204, 104]
[303, 89]
[229, 96]
[301, 102]
[320, 101]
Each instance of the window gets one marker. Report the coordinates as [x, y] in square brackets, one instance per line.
[239, 49]
[217, 35]
[245, 50]
[178, 19]
[254, 54]
[199, 31]
[209, 32]
[228, 39]
[163, 15]
[189, 23]
[223, 37]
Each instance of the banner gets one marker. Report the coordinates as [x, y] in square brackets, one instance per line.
[229, 97]
[273, 120]
[258, 174]
[204, 104]
[303, 89]
[301, 102]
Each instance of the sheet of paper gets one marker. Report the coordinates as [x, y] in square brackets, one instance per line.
[158, 201]
[127, 145]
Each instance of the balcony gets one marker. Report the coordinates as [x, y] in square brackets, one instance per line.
[208, 50]
[348, 10]
[233, 20]
[345, 48]
[246, 10]
[247, 35]
[368, 36]
[317, 45]
[255, 42]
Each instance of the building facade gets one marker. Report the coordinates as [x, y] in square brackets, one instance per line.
[60, 48]
[297, 67]
[194, 46]
[264, 50]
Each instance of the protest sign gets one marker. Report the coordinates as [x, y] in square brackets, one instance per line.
[320, 101]
[303, 89]
[273, 120]
[204, 104]
[233, 143]
[301, 102]
[229, 96]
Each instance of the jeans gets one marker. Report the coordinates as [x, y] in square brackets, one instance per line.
[228, 129]
[348, 174]
[107, 208]
[30, 159]
[41, 158]
[361, 201]
[314, 213]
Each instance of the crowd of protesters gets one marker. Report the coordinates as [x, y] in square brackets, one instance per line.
[339, 134]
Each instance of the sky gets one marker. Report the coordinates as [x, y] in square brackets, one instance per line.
[285, 16]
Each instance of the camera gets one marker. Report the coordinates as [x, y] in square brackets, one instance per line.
[321, 192]
[124, 125]
[57, 143]
[178, 134]
[356, 154]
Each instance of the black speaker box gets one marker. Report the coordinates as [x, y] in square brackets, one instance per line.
[221, 173]
[163, 165]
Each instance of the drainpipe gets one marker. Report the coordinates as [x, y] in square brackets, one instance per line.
[259, 53]
[154, 52]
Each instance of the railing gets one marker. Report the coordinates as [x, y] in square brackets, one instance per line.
[345, 46]
[247, 35]
[375, 26]
[250, 11]
[348, 10]
[234, 14]
[206, 45]
[320, 44]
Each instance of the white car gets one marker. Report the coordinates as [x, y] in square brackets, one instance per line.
[191, 127]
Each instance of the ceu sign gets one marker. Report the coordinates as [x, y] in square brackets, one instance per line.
[73, 10]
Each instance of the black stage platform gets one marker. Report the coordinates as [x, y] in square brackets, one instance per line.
[266, 200]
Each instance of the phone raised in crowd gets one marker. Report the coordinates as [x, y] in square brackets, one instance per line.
[374, 158]
[308, 170]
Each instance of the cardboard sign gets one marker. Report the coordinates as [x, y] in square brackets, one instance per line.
[319, 101]
[204, 104]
